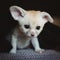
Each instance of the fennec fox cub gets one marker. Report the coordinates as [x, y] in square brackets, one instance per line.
[31, 24]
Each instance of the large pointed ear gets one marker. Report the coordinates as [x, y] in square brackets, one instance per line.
[47, 17]
[17, 12]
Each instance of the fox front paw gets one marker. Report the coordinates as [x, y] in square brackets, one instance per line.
[13, 51]
[40, 51]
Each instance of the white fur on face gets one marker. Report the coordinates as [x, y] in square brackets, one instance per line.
[33, 21]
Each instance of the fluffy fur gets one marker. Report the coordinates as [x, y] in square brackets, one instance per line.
[31, 23]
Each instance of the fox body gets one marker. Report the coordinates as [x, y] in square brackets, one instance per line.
[31, 23]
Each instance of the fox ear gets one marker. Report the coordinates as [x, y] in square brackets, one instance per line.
[47, 17]
[17, 12]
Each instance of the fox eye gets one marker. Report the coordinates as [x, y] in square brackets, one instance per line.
[27, 26]
[38, 27]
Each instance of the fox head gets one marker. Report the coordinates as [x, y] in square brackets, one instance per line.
[31, 22]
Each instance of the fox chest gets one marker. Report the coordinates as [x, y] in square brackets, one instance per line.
[23, 43]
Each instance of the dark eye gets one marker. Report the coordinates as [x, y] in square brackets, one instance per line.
[38, 27]
[27, 26]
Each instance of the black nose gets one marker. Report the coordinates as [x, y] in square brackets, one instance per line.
[32, 34]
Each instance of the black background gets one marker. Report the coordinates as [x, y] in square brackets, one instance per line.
[6, 21]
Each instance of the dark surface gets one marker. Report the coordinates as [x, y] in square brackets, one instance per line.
[29, 54]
